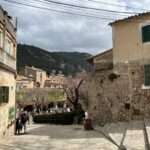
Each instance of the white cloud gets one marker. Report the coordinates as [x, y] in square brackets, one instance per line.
[55, 31]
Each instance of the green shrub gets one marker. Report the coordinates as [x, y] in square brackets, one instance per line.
[59, 118]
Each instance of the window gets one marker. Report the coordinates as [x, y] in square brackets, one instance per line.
[127, 106]
[14, 51]
[1, 39]
[9, 46]
[146, 33]
[11, 49]
[147, 75]
[41, 77]
[4, 94]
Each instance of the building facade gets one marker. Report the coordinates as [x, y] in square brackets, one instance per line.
[8, 46]
[23, 82]
[38, 75]
[131, 57]
[56, 81]
[122, 92]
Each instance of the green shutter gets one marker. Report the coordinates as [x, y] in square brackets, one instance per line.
[4, 94]
[146, 33]
[1, 96]
[147, 75]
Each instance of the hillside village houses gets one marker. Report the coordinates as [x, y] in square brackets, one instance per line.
[23, 82]
[38, 75]
[120, 79]
[7, 73]
[58, 81]
[33, 77]
[35, 85]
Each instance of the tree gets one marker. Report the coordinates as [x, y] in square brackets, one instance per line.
[83, 93]
[72, 91]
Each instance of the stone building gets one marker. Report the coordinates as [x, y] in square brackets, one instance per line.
[7, 73]
[24, 82]
[38, 75]
[107, 91]
[123, 91]
[56, 81]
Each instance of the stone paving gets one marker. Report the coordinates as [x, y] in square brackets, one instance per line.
[56, 137]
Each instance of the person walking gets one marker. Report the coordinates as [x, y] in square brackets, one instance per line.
[18, 126]
[23, 120]
[88, 122]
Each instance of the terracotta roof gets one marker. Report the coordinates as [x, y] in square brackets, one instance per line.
[137, 16]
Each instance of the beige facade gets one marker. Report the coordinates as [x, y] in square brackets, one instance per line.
[7, 73]
[127, 40]
[102, 61]
[131, 57]
[56, 81]
[39, 76]
[24, 82]
[123, 91]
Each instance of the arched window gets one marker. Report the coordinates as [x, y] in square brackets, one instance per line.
[146, 33]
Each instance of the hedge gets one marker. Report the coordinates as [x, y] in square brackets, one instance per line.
[59, 118]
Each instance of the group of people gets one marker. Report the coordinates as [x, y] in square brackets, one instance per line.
[21, 120]
[50, 108]
[41, 107]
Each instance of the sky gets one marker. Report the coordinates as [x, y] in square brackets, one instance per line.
[63, 32]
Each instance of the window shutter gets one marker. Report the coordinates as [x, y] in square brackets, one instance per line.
[147, 75]
[4, 94]
[1, 96]
[146, 33]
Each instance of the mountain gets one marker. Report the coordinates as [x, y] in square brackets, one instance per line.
[67, 62]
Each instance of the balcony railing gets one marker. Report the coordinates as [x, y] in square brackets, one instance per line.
[7, 60]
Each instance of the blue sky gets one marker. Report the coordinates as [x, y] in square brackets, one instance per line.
[60, 32]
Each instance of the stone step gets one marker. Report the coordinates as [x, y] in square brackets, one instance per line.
[128, 134]
[117, 131]
[147, 133]
[135, 137]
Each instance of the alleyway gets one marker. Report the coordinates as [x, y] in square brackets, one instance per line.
[52, 137]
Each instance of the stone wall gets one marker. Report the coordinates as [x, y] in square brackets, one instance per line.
[140, 99]
[108, 97]
[7, 110]
[119, 97]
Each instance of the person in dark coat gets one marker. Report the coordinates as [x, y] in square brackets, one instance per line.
[18, 126]
[23, 120]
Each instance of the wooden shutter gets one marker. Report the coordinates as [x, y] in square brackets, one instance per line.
[1, 95]
[4, 94]
[146, 33]
[147, 75]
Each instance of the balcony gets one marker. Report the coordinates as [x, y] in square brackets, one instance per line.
[7, 60]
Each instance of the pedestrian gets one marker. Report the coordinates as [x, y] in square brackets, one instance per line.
[88, 122]
[28, 117]
[18, 126]
[23, 120]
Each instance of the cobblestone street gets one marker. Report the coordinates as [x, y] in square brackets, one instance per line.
[53, 137]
